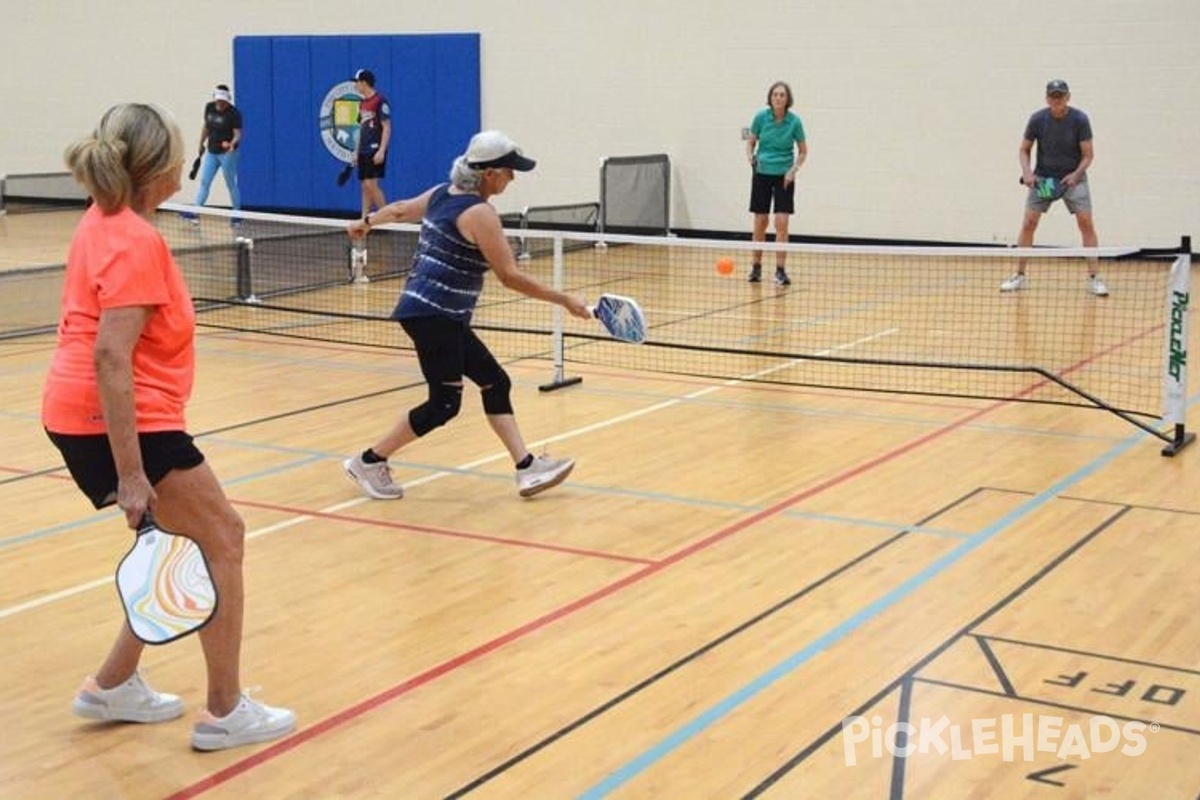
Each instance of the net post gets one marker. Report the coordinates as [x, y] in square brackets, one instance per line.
[245, 282]
[1175, 379]
[556, 336]
[601, 244]
[523, 252]
[357, 254]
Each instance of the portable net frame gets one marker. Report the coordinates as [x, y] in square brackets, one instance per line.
[575, 217]
[635, 194]
[902, 320]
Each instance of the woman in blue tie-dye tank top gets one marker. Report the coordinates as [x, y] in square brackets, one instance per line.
[461, 239]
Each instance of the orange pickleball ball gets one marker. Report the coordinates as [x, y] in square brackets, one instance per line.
[725, 266]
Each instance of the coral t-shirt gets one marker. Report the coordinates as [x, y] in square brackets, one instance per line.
[117, 261]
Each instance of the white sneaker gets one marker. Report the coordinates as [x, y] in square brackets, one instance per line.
[1096, 286]
[374, 479]
[544, 473]
[132, 701]
[1014, 284]
[250, 722]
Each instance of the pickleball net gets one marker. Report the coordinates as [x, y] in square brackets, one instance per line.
[900, 320]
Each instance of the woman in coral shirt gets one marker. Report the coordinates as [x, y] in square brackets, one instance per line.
[114, 403]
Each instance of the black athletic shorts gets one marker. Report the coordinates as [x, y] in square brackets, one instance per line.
[769, 188]
[90, 460]
[368, 169]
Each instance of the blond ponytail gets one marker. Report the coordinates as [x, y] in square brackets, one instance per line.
[133, 145]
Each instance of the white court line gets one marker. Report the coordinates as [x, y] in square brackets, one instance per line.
[53, 597]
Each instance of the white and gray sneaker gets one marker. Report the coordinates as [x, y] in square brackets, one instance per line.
[1096, 286]
[1015, 284]
[374, 479]
[544, 473]
[250, 722]
[132, 701]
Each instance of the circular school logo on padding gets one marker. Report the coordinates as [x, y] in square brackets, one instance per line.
[339, 121]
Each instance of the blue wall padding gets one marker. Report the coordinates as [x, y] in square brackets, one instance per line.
[431, 82]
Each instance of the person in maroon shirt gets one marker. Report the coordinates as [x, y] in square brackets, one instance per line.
[374, 135]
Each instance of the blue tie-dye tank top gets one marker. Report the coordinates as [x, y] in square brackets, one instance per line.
[447, 272]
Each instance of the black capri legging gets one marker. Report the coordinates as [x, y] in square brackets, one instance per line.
[448, 351]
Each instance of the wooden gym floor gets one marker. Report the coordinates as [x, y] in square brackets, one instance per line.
[737, 593]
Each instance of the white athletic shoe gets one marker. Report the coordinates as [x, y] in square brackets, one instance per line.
[1096, 286]
[132, 701]
[1014, 284]
[374, 479]
[544, 473]
[250, 722]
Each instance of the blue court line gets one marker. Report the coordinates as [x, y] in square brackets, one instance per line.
[67, 527]
[648, 758]
[309, 456]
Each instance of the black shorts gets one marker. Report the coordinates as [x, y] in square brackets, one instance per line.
[368, 169]
[90, 460]
[769, 188]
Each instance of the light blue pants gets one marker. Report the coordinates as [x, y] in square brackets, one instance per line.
[228, 164]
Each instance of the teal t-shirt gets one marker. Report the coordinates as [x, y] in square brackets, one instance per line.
[776, 149]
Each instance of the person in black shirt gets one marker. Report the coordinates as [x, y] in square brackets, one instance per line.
[219, 139]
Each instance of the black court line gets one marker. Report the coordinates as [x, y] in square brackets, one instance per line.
[651, 326]
[686, 317]
[1103, 656]
[244, 424]
[613, 702]
[997, 668]
[801, 756]
[1053, 704]
[40, 473]
[901, 743]
[1094, 501]
[255, 421]
[13, 341]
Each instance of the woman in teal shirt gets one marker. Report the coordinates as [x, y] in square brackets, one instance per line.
[775, 148]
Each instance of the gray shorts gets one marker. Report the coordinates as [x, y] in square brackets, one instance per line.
[1077, 198]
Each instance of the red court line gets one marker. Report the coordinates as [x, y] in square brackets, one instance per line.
[447, 532]
[433, 673]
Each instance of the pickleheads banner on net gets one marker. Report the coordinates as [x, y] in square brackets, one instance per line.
[1010, 737]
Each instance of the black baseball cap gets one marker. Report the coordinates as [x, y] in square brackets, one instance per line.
[366, 76]
[1057, 86]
